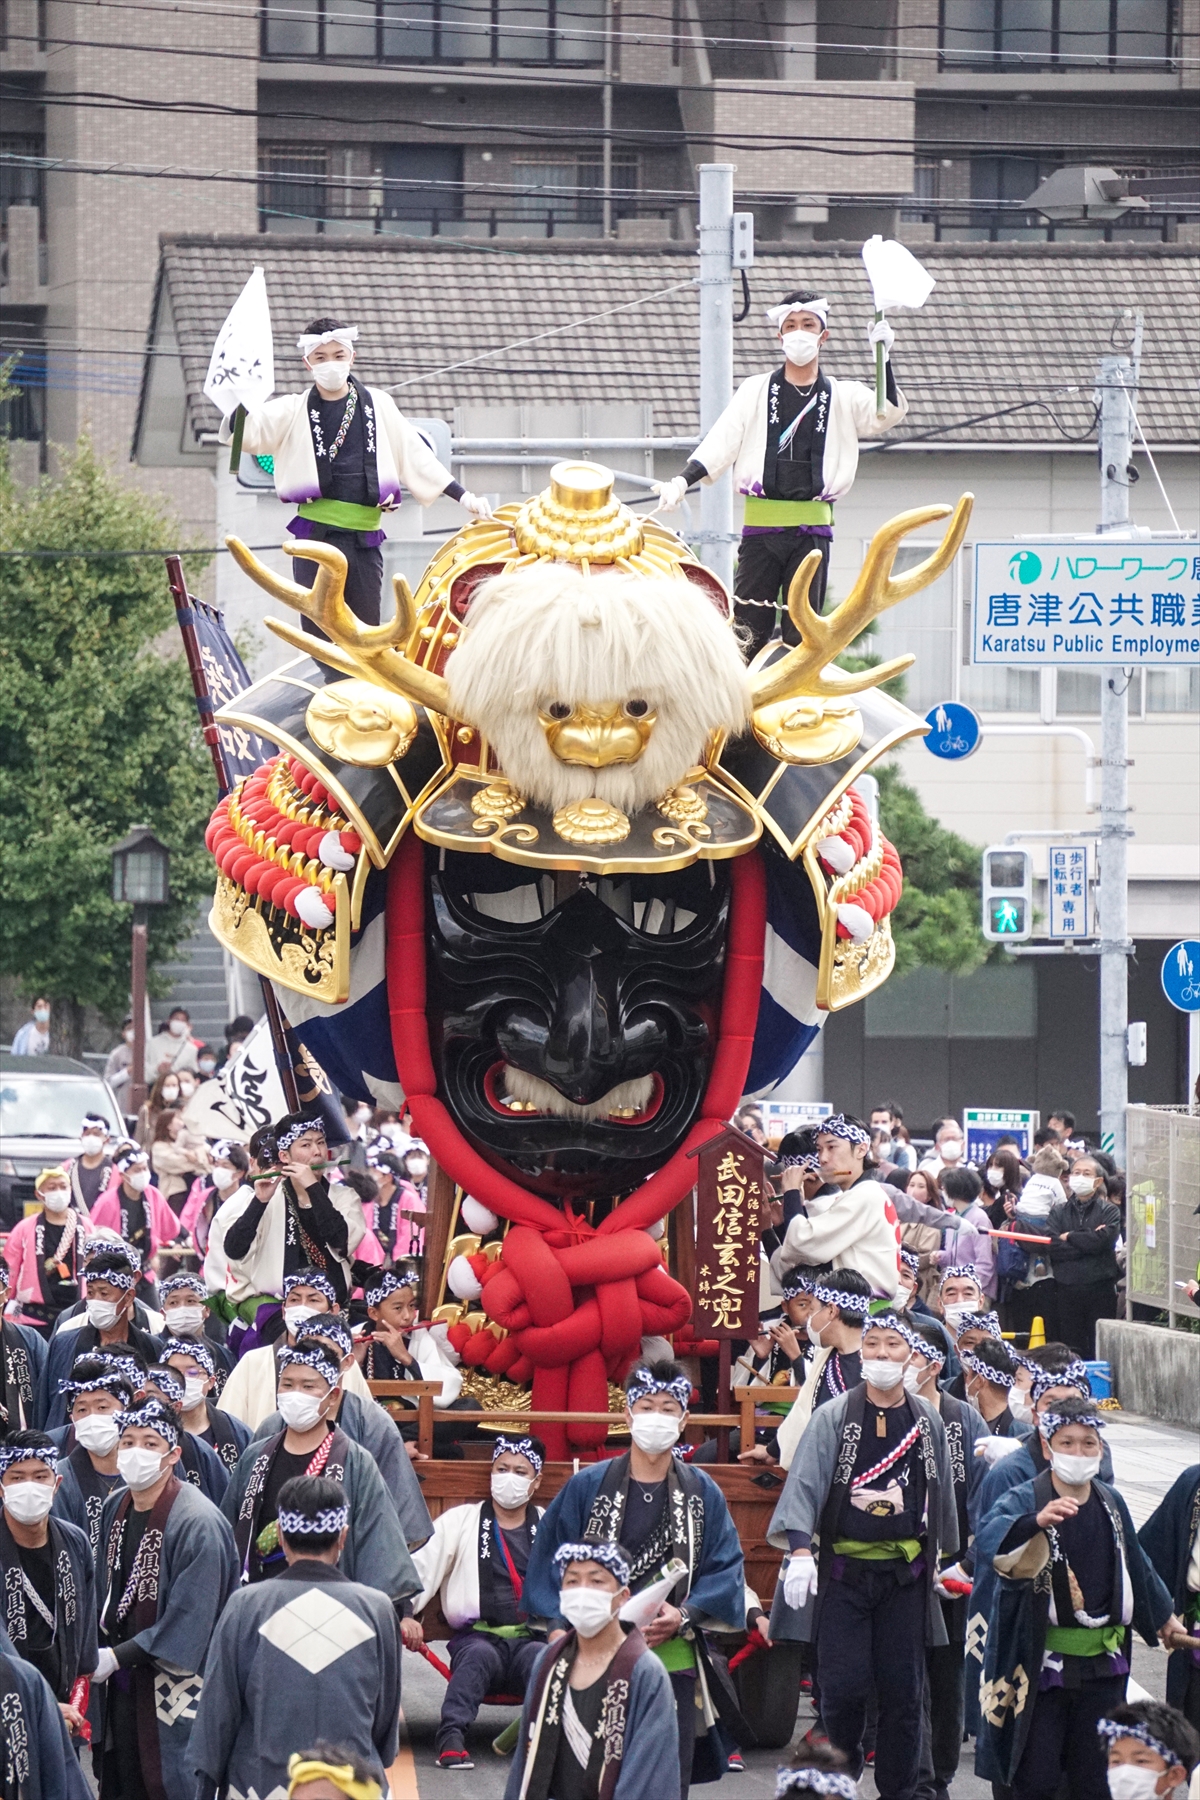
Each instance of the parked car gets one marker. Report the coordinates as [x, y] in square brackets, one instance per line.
[42, 1101]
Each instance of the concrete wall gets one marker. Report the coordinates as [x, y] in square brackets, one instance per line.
[1156, 1372]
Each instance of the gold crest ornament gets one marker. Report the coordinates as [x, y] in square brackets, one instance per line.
[359, 723]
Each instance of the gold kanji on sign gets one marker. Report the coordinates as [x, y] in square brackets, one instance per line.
[729, 1191]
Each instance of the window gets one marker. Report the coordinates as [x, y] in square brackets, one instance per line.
[292, 195]
[431, 175]
[1017, 35]
[539, 32]
[21, 184]
[22, 415]
[1172, 690]
[570, 190]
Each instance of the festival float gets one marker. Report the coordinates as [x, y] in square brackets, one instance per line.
[542, 855]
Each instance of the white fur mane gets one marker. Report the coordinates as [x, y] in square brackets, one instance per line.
[550, 633]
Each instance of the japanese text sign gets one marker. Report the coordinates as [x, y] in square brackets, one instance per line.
[1080, 602]
[1067, 890]
[985, 1127]
[729, 1190]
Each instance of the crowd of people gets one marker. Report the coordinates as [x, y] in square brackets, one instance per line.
[217, 1548]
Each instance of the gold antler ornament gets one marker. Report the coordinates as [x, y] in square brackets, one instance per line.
[801, 710]
[353, 648]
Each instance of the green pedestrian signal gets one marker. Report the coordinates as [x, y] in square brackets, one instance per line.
[1006, 879]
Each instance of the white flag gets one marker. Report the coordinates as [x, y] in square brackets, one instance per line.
[242, 370]
[897, 278]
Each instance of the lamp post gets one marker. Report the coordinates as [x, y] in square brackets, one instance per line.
[141, 868]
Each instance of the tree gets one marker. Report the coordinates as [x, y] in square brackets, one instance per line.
[936, 924]
[98, 732]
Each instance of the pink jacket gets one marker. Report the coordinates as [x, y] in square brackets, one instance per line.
[19, 1254]
[194, 1205]
[164, 1226]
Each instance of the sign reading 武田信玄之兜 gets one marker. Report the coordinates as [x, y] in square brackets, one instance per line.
[729, 1198]
[1080, 602]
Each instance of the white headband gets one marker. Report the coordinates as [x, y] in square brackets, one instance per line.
[777, 314]
[345, 335]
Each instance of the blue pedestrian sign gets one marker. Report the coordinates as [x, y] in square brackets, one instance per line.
[954, 731]
[1181, 975]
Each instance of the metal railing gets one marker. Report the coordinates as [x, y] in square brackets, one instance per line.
[1162, 1229]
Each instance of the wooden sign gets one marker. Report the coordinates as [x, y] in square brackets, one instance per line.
[729, 1194]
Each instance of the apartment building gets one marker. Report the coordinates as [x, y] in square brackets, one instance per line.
[469, 119]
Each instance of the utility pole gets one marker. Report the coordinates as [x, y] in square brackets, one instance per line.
[716, 356]
[606, 173]
[1116, 447]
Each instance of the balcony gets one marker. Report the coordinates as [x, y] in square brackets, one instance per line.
[1135, 38]
[565, 34]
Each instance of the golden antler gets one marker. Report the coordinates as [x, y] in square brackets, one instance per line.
[355, 649]
[805, 669]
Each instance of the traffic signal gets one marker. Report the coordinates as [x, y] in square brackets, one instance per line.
[1007, 894]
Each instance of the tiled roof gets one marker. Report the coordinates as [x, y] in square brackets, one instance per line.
[1007, 323]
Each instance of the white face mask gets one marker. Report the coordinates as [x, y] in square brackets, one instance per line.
[138, 1180]
[509, 1489]
[417, 1171]
[955, 1315]
[1081, 1184]
[814, 1334]
[56, 1200]
[1074, 1470]
[912, 1378]
[42, 1014]
[329, 376]
[194, 1389]
[300, 1412]
[128, 1035]
[139, 1468]
[98, 1433]
[1019, 1407]
[29, 1501]
[951, 1150]
[800, 347]
[170, 1094]
[224, 1178]
[176, 1027]
[295, 1316]
[995, 1178]
[655, 1432]
[206, 1065]
[882, 1373]
[1128, 1782]
[92, 1142]
[587, 1609]
[186, 1321]
[102, 1314]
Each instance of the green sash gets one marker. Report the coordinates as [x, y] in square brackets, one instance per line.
[786, 512]
[342, 513]
[1084, 1640]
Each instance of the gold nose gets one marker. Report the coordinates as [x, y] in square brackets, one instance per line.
[596, 737]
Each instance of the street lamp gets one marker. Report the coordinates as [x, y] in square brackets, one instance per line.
[141, 871]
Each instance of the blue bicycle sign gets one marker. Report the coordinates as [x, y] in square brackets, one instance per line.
[1181, 975]
[954, 731]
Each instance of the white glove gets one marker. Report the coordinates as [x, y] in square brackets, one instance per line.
[953, 1573]
[106, 1666]
[881, 333]
[477, 505]
[670, 493]
[995, 1449]
[799, 1578]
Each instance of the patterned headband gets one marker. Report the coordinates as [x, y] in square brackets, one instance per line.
[998, 1377]
[220, 1148]
[16, 1453]
[518, 1447]
[885, 1321]
[921, 1345]
[322, 1524]
[911, 1260]
[832, 1296]
[312, 1278]
[960, 1272]
[328, 1328]
[123, 1365]
[809, 1162]
[1049, 1423]
[391, 1283]
[642, 1384]
[94, 1122]
[176, 1284]
[189, 1347]
[798, 1282]
[101, 1384]
[609, 1556]
[152, 1415]
[168, 1382]
[981, 1321]
[127, 1155]
[1075, 1375]
[1112, 1729]
[840, 1126]
[125, 1279]
[320, 1360]
[287, 1137]
[815, 1781]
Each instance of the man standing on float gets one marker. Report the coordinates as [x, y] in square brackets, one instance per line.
[342, 450]
[791, 436]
